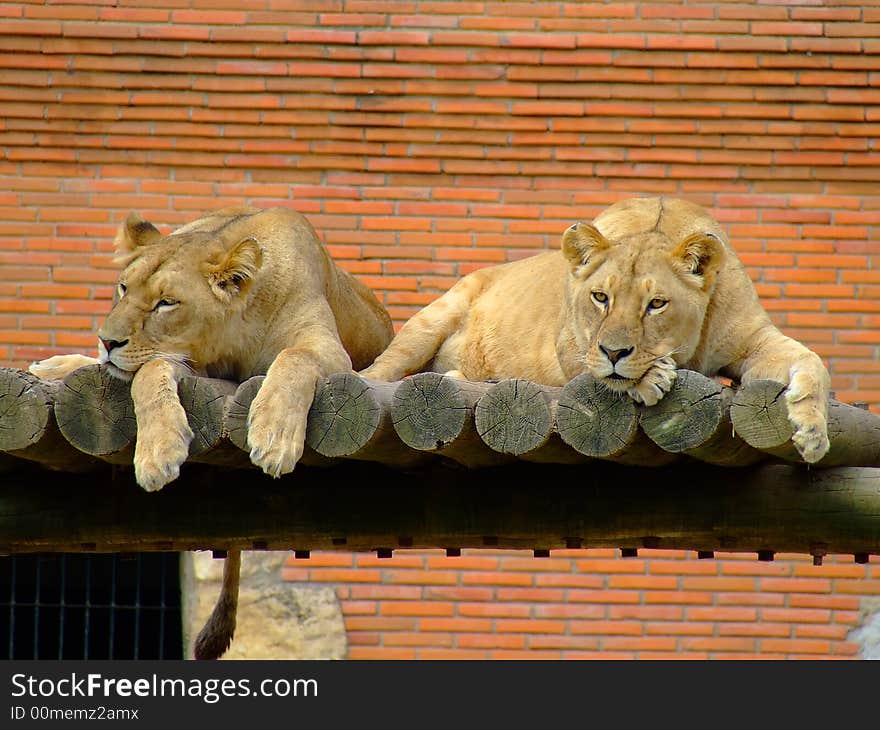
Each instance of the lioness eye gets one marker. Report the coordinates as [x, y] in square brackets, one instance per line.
[122, 288]
[657, 303]
[164, 303]
[600, 297]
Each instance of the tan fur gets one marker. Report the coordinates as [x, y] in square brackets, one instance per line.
[237, 293]
[674, 294]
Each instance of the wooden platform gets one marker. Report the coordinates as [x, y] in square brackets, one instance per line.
[433, 462]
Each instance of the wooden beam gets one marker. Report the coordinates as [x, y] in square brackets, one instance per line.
[775, 507]
[431, 417]
[694, 419]
[28, 427]
[760, 417]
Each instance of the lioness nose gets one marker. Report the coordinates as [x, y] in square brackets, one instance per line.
[112, 344]
[615, 355]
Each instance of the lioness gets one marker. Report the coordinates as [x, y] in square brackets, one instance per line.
[239, 292]
[652, 285]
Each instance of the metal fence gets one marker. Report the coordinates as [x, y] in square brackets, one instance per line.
[90, 606]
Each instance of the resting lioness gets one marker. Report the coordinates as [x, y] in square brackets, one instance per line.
[237, 293]
[653, 285]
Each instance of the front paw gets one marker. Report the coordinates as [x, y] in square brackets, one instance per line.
[655, 383]
[59, 367]
[811, 441]
[276, 431]
[807, 416]
[160, 450]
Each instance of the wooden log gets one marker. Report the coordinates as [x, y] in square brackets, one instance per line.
[364, 506]
[205, 403]
[235, 417]
[760, 417]
[95, 414]
[435, 413]
[27, 425]
[603, 424]
[351, 418]
[235, 421]
[516, 417]
[693, 418]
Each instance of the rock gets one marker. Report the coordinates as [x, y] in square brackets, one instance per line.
[276, 619]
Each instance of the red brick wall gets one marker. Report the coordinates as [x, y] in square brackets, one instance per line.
[425, 139]
[592, 604]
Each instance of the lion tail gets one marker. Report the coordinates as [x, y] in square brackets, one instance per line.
[216, 635]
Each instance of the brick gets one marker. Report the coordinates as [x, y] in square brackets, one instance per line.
[719, 644]
[801, 646]
[640, 643]
[492, 641]
[607, 628]
[508, 610]
[417, 608]
[531, 626]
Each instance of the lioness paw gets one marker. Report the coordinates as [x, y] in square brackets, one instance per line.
[59, 367]
[276, 431]
[811, 441]
[807, 418]
[655, 383]
[161, 448]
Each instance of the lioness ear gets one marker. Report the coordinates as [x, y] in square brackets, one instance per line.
[581, 242]
[700, 256]
[235, 272]
[134, 233]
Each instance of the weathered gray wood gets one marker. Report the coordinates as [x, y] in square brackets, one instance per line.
[351, 418]
[770, 507]
[435, 413]
[237, 408]
[693, 418]
[205, 403]
[95, 413]
[760, 417]
[516, 417]
[603, 424]
[27, 423]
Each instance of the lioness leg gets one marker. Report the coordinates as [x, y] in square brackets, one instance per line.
[278, 415]
[163, 432]
[59, 367]
[421, 337]
[787, 361]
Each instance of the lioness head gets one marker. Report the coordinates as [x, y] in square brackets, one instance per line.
[638, 300]
[176, 296]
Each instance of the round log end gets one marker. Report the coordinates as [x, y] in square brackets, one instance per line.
[429, 411]
[237, 413]
[514, 417]
[344, 416]
[95, 412]
[687, 416]
[26, 405]
[760, 416]
[203, 399]
[596, 421]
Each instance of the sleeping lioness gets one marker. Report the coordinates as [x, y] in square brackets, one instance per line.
[652, 285]
[237, 293]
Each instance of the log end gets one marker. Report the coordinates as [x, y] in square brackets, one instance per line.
[595, 421]
[514, 417]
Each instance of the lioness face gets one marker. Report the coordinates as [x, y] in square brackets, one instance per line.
[174, 298]
[638, 303]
